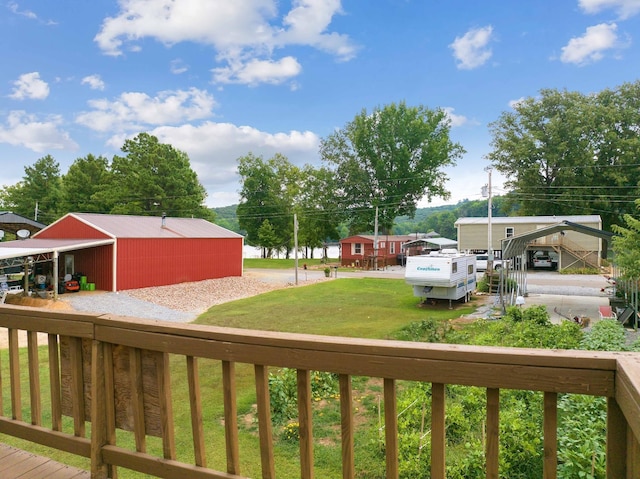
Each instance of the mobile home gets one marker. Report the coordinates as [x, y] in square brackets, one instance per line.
[445, 274]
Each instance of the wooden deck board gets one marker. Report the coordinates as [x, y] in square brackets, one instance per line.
[19, 464]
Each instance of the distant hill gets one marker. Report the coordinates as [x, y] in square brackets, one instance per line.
[432, 218]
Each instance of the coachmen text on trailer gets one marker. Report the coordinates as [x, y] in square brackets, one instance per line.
[444, 274]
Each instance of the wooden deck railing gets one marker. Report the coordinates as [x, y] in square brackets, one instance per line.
[112, 374]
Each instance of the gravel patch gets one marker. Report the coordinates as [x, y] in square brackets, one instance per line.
[178, 303]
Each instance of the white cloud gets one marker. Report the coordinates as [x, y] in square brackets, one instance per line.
[15, 9]
[456, 120]
[591, 46]
[136, 111]
[242, 32]
[94, 82]
[472, 50]
[38, 135]
[624, 8]
[258, 71]
[30, 86]
[214, 149]
[178, 67]
[307, 23]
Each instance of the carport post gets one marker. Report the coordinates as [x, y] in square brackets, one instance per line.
[55, 275]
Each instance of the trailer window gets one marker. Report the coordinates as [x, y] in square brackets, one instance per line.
[392, 247]
[470, 269]
[357, 248]
[454, 268]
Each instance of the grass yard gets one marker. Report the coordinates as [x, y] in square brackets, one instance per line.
[355, 307]
[272, 263]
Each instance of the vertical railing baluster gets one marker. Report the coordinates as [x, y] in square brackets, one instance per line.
[230, 417]
[391, 428]
[110, 406]
[163, 376]
[438, 438]
[633, 456]
[54, 381]
[305, 422]
[493, 432]
[34, 378]
[77, 386]
[616, 440]
[99, 469]
[550, 427]
[264, 421]
[137, 399]
[14, 375]
[197, 429]
[347, 427]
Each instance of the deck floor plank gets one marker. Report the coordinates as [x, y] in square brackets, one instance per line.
[18, 464]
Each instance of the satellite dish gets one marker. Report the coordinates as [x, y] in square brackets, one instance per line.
[23, 234]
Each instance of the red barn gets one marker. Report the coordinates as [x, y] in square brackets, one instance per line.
[118, 252]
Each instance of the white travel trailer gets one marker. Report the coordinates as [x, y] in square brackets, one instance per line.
[444, 274]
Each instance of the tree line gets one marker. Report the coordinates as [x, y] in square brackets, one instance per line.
[151, 178]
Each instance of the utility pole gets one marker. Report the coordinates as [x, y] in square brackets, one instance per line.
[488, 169]
[375, 242]
[295, 244]
[36, 213]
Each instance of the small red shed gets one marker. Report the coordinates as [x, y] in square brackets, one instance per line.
[359, 251]
[146, 251]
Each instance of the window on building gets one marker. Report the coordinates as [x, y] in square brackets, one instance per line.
[392, 247]
[357, 248]
[509, 232]
[381, 244]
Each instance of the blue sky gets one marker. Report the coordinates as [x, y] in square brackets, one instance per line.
[219, 78]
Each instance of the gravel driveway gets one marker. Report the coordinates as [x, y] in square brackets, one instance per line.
[182, 303]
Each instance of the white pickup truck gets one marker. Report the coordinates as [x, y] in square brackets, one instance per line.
[483, 259]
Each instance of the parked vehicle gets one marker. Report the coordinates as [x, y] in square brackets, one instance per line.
[542, 262]
[483, 259]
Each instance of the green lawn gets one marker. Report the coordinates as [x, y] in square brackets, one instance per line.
[271, 263]
[356, 307]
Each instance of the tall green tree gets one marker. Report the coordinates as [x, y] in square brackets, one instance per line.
[626, 245]
[569, 153]
[153, 178]
[268, 192]
[318, 213]
[389, 158]
[82, 184]
[38, 194]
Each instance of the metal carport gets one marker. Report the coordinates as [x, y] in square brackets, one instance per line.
[27, 252]
[514, 248]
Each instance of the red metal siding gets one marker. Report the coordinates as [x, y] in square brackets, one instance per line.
[70, 228]
[157, 262]
[95, 263]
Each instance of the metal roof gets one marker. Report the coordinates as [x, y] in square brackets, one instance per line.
[13, 222]
[128, 226]
[529, 219]
[436, 241]
[516, 245]
[36, 247]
